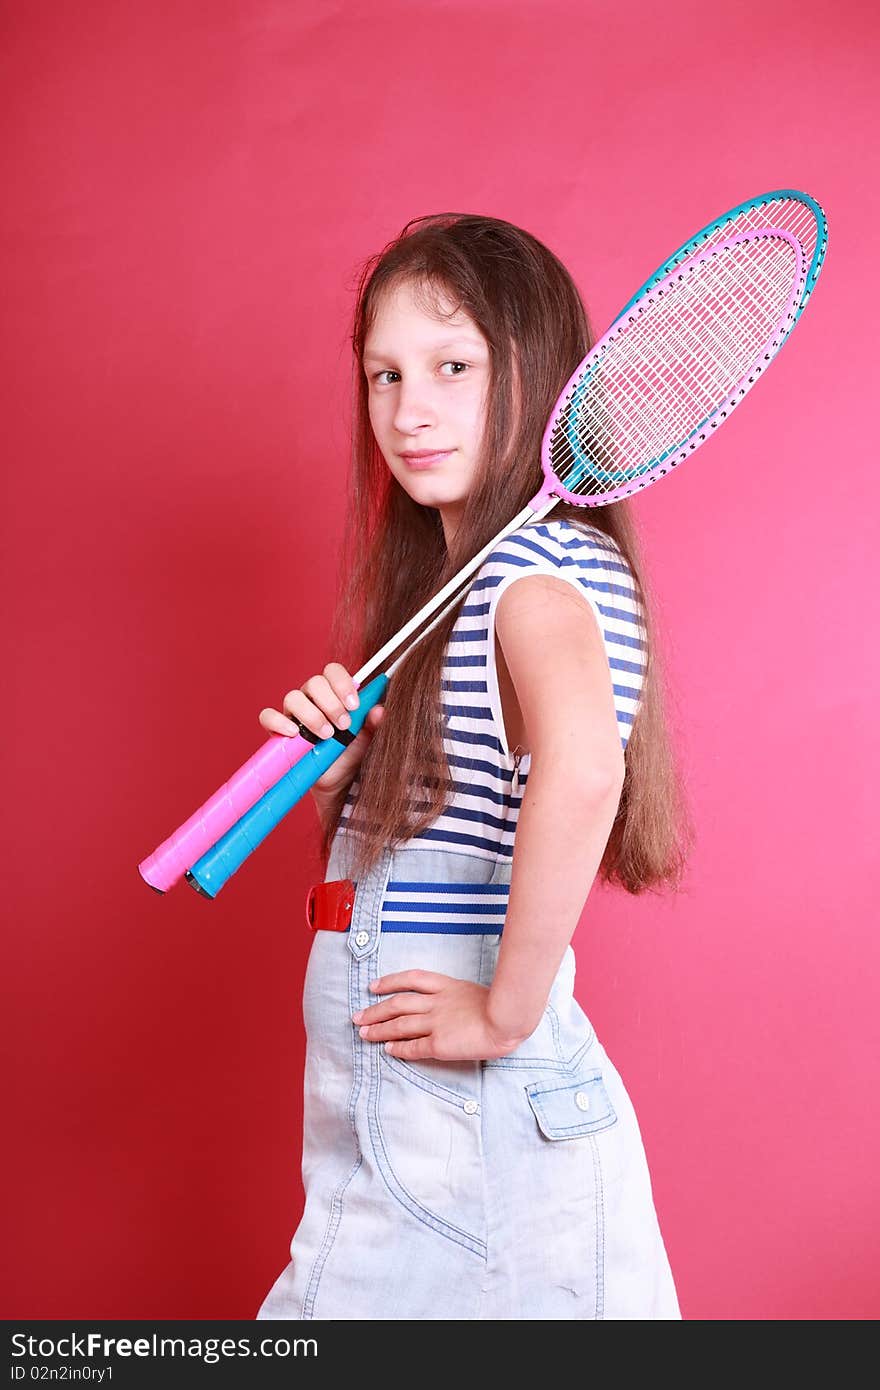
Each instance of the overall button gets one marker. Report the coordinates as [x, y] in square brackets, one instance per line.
[469, 1107]
[582, 1100]
[362, 938]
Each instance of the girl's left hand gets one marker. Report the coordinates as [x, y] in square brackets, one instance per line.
[437, 1016]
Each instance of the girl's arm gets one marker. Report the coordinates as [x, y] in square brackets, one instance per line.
[556, 657]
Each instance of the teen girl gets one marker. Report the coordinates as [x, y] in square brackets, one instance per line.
[469, 1149]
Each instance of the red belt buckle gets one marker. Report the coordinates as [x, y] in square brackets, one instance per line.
[330, 905]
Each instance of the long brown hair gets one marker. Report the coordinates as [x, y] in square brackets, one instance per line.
[395, 557]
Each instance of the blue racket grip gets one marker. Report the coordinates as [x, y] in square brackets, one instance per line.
[209, 873]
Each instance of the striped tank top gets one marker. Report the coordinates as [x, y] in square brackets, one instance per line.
[481, 814]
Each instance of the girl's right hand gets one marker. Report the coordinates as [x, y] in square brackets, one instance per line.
[321, 699]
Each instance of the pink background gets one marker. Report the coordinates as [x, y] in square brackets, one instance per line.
[190, 188]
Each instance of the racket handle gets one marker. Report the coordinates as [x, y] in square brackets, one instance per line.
[167, 864]
[222, 860]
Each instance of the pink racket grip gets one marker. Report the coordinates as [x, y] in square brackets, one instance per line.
[168, 864]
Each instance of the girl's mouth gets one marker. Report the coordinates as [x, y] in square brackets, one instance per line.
[418, 461]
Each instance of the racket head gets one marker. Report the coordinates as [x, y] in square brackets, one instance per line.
[789, 209]
[751, 288]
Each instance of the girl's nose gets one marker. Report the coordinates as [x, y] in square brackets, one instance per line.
[414, 408]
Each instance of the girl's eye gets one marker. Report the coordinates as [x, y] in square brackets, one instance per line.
[390, 372]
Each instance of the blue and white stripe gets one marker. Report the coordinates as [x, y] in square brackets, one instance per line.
[461, 909]
[489, 777]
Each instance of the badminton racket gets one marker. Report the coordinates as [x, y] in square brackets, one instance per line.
[675, 363]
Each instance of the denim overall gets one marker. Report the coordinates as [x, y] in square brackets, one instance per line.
[515, 1187]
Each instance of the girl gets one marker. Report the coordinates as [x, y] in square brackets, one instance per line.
[469, 1149]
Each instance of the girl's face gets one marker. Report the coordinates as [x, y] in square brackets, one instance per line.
[428, 383]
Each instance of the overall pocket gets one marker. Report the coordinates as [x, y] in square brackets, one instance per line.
[571, 1108]
[564, 1034]
[425, 1114]
[427, 1142]
[541, 1050]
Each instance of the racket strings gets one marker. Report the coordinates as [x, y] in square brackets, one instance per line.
[664, 373]
[693, 333]
[643, 378]
[705, 328]
[790, 215]
[707, 334]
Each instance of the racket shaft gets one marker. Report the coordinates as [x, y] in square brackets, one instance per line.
[223, 859]
[540, 505]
